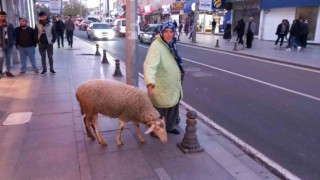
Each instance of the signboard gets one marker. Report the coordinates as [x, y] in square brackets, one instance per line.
[166, 9]
[177, 6]
[43, 1]
[218, 4]
[205, 5]
[55, 6]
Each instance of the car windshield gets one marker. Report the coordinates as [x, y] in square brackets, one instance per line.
[152, 29]
[101, 26]
[124, 23]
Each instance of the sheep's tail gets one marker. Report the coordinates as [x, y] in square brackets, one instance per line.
[82, 113]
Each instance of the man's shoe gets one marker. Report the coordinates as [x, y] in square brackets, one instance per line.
[9, 74]
[43, 72]
[299, 48]
[37, 72]
[22, 73]
[52, 71]
[58, 46]
[174, 131]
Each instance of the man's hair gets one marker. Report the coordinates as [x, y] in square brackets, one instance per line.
[42, 14]
[22, 18]
[3, 13]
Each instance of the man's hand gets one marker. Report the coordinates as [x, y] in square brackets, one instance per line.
[150, 91]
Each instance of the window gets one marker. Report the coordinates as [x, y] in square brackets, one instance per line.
[310, 14]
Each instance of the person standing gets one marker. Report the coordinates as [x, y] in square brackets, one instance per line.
[175, 24]
[59, 27]
[192, 30]
[7, 36]
[163, 75]
[240, 31]
[282, 31]
[26, 43]
[304, 33]
[180, 30]
[46, 37]
[227, 31]
[186, 27]
[250, 29]
[213, 25]
[69, 30]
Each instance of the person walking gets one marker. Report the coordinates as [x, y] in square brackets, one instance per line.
[7, 36]
[59, 28]
[295, 31]
[26, 43]
[175, 24]
[186, 27]
[69, 30]
[249, 30]
[180, 30]
[163, 75]
[282, 31]
[227, 32]
[304, 33]
[213, 26]
[192, 30]
[46, 37]
[240, 31]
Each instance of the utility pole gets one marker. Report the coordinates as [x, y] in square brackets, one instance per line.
[195, 20]
[99, 9]
[132, 73]
[80, 8]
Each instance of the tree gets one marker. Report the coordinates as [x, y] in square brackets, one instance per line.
[74, 9]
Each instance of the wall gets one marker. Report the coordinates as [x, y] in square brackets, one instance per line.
[317, 33]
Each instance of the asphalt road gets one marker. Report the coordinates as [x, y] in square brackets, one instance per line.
[274, 108]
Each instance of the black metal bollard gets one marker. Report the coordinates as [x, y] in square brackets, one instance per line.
[104, 59]
[217, 44]
[117, 72]
[190, 142]
[235, 46]
[97, 50]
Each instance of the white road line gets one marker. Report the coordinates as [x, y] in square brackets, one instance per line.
[162, 174]
[246, 57]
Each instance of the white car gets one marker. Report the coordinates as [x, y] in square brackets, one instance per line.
[119, 26]
[100, 31]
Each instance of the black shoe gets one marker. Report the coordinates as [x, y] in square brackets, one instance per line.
[43, 72]
[174, 131]
[52, 71]
[9, 74]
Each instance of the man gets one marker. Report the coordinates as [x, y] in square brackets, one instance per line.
[295, 32]
[175, 24]
[26, 43]
[46, 37]
[69, 30]
[250, 29]
[282, 31]
[213, 25]
[304, 33]
[59, 27]
[7, 37]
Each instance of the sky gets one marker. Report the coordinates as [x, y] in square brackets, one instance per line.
[90, 3]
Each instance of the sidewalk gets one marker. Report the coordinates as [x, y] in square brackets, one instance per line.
[53, 144]
[308, 57]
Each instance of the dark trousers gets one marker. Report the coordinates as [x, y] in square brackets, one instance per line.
[281, 38]
[170, 115]
[60, 37]
[70, 37]
[240, 38]
[303, 40]
[249, 40]
[43, 49]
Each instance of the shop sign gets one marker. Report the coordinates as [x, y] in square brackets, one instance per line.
[55, 6]
[218, 4]
[205, 5]
[166, 9]
[177, 6]
[148, 9]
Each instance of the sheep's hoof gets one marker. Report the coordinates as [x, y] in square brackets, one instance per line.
[103, 143]
[120, 143]
[91, 137]
[143, 141]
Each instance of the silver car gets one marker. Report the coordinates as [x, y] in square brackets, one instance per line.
[100, 31]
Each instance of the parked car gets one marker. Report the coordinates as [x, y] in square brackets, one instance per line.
[109, 21]
[100, 31]
[119, 26]
[85, 24]
[149, 32]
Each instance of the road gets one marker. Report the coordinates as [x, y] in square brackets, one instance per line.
[274, 108]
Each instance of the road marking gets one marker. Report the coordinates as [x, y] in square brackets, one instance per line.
[247, 57]
[162, 174]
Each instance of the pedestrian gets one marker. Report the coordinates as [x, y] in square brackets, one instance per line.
[59, 27]
[288, 27]
[163, 75]
[295, 31]
[304, 33]
[213, 25]
[282, 31]
[227, 32]
[192, 30]
[69, 30]
[240, 31]
[186, 27]
[26, 43]
[175, 24]
[7, 37]
[46, 37]
[249, 30]
[180, 30]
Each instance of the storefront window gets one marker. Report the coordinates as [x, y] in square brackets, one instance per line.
[311, 15]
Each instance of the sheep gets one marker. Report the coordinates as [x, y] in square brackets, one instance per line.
[118, 100]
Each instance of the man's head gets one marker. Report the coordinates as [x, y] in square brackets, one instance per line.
[58, 17]
[3, 16]
[42, 17]
[69, 17]
[22, 22]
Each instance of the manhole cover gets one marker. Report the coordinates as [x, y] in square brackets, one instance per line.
[17, 118]
[85, 54]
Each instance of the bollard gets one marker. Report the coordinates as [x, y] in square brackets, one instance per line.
[217, 44]
[97, 50]
[104, 59]
[117, 72]
[190, 142]
[235, 47]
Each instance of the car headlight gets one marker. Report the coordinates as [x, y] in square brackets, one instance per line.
[111, 35]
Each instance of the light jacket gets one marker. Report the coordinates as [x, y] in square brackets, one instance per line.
[253, 27]
[50, 32]
[161, 69]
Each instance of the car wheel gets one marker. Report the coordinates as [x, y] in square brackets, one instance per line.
[140, 40]
[92, 37]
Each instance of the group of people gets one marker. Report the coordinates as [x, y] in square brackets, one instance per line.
[26, 39]
[241, 29]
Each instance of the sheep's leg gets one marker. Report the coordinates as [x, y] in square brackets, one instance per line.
[86, 120]
[140, 137]
[96, 131]
[121, 126]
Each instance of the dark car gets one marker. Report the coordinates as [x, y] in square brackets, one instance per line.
[149, 32]
[85, 24]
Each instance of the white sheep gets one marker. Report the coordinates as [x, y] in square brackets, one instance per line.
[118, 100]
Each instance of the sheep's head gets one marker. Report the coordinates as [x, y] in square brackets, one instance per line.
[159, 128]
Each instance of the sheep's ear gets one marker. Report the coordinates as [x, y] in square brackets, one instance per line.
[151, 128]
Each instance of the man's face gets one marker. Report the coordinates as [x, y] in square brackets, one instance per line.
[22, 22]
[42, 18]
[3, 18]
